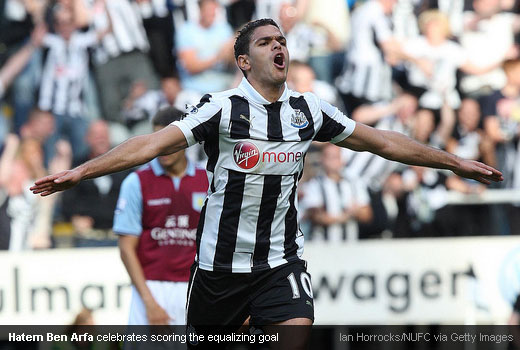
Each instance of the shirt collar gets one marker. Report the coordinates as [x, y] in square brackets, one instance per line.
[250, 92]
[158, 170]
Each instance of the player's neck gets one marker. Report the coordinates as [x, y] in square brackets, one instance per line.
[177, 169]
[270, 92]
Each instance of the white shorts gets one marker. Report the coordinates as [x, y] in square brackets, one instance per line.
[171, 296]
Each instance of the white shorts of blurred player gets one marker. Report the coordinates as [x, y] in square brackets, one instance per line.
[171, 296]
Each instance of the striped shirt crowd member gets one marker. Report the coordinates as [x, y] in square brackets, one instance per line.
[367, 77]
[255, 157]
[65, 73]
[128, 33]
[335, 198]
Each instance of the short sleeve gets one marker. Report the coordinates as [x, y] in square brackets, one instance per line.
[335, 126]
[202, 122]
[129, 208]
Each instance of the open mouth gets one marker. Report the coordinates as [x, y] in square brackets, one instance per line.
[279, 61]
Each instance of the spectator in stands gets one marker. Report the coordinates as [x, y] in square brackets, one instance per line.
[65, 73]
[501, 119]
[204, 48]
[334, 203]
[16, 23]
[158, 23]
[40, 126]
[239, 12]
[333, 22]
[468, 140]
[301, 37]
[425, 193]
[13, 66]
[435, 60]
[399, 115]
[30, 218]
[367, 74]
[488, 38]
[301, 78]
[121, 51]
[91, 205]
[17, 62]
[142, 103]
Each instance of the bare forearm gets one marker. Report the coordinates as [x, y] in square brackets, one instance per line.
[135, 271]
[130, 153]
[15, 64]
[135, 151]
[398, 147]
[401, 148]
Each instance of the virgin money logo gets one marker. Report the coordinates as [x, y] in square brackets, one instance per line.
[246, 155]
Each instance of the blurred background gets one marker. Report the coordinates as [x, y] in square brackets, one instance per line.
[386, 243]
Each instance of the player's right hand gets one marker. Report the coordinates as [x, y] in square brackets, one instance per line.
[58, 182]
[156, 315]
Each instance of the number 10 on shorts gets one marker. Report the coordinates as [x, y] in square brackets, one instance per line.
[305, 281]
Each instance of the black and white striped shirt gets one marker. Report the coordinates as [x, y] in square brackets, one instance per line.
[366, 73]
[335, 197]
[65, 73]
[127, 33]
[255, 158]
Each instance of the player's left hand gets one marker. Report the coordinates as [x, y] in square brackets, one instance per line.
[57, 182]
[481, 172]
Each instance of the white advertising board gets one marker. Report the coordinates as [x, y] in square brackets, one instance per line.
[422, 281]
[51, 287]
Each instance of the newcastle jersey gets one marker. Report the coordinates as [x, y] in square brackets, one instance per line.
[255, 152]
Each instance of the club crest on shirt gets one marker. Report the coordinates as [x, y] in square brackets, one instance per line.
[197, 200]
[299, 120]
[191, 109]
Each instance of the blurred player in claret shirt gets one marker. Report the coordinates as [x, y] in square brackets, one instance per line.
[156, 219]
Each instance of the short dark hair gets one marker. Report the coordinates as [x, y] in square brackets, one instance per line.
[166, 116]
[243, 39]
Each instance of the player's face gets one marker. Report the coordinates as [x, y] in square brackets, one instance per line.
[268, 59]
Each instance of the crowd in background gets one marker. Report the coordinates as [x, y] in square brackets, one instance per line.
[80, 76]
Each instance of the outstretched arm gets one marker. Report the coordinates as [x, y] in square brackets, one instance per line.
[398, 147]
[133, 152]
